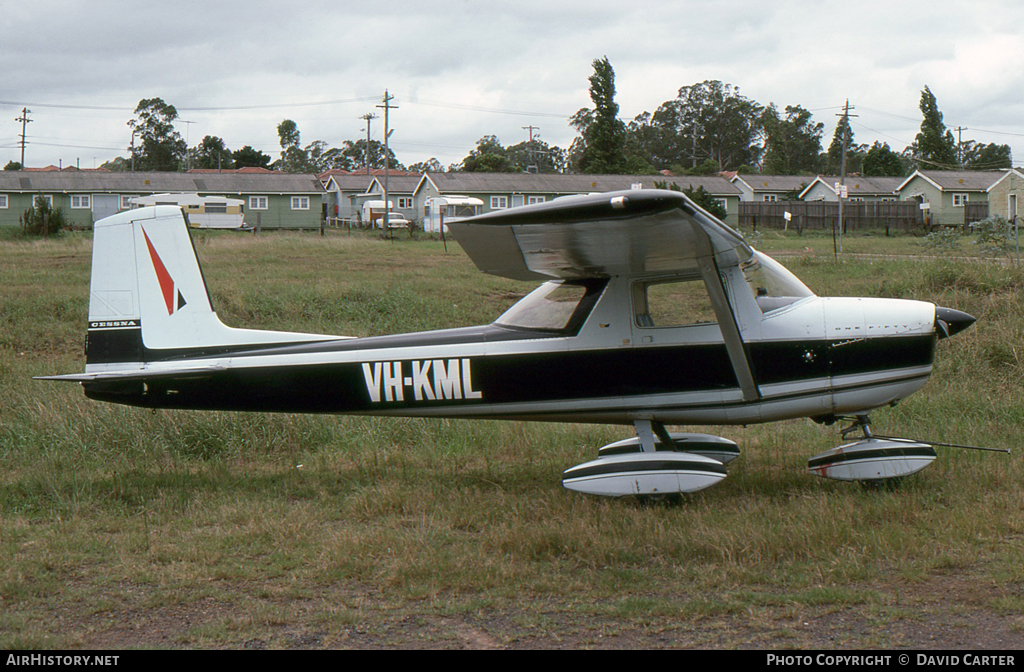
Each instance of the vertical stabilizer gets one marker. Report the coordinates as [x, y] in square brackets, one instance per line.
[148, 299]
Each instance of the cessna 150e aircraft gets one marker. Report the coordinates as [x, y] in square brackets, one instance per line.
[652, 313]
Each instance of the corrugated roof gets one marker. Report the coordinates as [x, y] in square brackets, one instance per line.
[397, 182]
[861, 185]
[973, 180]
[349, 182]
[554, 183]
[159, 182]
[777, 182]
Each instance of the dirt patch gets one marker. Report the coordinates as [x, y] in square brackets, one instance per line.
[943, 612]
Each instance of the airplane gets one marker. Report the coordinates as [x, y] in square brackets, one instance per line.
[651, 312]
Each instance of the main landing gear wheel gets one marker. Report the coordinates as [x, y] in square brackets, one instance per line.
[654, 466]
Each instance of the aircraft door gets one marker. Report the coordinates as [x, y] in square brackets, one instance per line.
[682, 312]
[672, 312]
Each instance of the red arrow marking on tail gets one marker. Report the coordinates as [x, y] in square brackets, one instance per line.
[166, 282]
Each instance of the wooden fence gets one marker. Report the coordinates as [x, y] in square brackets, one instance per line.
[890, 216]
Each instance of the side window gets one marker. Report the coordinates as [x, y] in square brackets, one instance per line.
[676, 303]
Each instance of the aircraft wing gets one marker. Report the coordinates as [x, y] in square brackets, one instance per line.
[636, 232]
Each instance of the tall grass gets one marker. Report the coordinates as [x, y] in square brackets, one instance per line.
[106, 508]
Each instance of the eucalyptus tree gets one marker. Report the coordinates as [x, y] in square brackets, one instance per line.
[706, 124]
[881, 161]
[156, 145]
[792, 144]
[211, 153]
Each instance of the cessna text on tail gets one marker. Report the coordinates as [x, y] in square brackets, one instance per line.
[651, 312]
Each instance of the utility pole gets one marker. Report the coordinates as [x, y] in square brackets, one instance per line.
[369, 116]
[842, 174]
[131, 125]
[24, 120]
[530, 148]
[188, 152]
[960, 145]
[387, 159]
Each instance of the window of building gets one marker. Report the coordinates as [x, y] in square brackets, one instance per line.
[499, 202]
[405, 202]
[300, 202]
[959, 200]
[769, 198]
[80, 202]
[530, 200]
[724, 202]
[48, 199]
[3, 201]
[260, 203]
[126, 201]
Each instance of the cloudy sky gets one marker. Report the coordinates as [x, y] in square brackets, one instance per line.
[461, 69]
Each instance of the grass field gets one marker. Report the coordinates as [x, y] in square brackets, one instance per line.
[121, 527]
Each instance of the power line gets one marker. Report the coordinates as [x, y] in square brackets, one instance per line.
[322, 103]
[194, 109]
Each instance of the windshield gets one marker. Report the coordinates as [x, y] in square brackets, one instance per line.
[554, 306]
[772, 285]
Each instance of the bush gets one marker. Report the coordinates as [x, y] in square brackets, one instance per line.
[945, 239]
[42, 220]
[995, 236]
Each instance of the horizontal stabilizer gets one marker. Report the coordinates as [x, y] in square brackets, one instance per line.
[136, 374]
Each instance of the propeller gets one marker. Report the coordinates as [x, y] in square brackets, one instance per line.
[949, 321]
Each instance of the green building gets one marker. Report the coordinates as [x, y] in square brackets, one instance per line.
[272, 199]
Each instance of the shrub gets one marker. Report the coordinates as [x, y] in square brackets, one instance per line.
[995, 236]
[945, 239]
[41, 219]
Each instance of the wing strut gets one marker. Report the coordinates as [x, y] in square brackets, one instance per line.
[726, 319]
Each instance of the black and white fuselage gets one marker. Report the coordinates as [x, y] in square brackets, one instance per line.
[587, 346]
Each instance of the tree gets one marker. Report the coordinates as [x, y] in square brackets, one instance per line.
[117, 165]
[247, 157]
[934, 146]
[720, 123]
[880, 161]
[159, 146]
[359, 154]
[656, 138]
[604, 135]
[13, 165]
[976, 156]
[211, 153]
[323, 158]
[700, 196]
[537, 155]
[707, 124]
[833, 159]
[793, 144]
[488, 157]
[293, 158]
[431, 165]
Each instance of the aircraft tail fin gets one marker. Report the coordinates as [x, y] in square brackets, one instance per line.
[148, 299]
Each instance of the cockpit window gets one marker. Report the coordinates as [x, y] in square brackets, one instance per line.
[559, 306]
[772, 285]
[672, 303]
